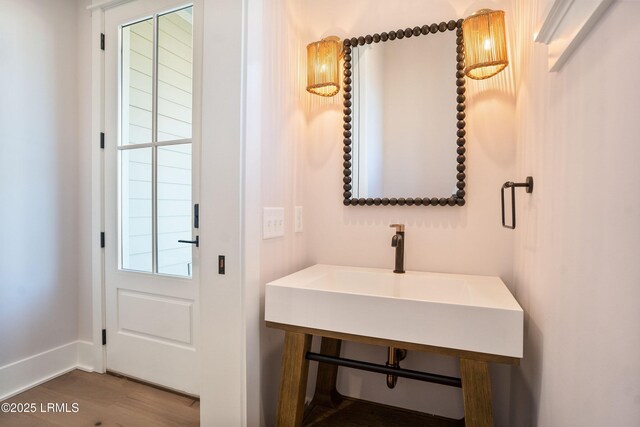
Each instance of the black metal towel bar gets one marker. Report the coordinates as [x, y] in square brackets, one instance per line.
[382, 369]
[528, 184]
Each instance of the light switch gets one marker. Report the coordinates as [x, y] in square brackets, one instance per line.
[272, 223]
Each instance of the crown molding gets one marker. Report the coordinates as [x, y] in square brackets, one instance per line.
[566, 24]
[105, 4]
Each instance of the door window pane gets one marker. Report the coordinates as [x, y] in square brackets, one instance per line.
[136, 209]
[137, 82]
[175, 73]
[174, 209]
[156, 109]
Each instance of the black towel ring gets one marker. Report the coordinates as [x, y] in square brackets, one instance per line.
[528, 184]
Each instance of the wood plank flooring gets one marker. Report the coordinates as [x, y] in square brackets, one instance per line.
[102, 400]
[360, 413]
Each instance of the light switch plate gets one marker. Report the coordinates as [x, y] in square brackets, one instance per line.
[298, 220]
[272, 223]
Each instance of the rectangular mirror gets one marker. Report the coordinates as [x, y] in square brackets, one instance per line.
[404, 117]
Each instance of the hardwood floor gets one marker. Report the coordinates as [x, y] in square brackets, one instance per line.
[359, 413]
[102, 400]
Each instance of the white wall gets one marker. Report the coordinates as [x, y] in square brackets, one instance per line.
[578, 239]
[274, 176]
[38, 178]
[450, 239]
[83, 122]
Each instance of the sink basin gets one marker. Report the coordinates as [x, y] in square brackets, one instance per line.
[473, 313]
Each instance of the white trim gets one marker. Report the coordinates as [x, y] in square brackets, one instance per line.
[554, 17]
[31, 371]
[106, 4]
[154, 144]
[566, 24]
[252, 223]
[223, 318]
[97, 190]
[85, 355]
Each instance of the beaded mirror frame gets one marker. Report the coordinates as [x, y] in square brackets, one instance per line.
[456, 199]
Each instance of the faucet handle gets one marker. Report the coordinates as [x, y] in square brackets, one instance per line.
[399, 227]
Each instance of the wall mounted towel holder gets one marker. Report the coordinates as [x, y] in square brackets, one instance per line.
[528, 184]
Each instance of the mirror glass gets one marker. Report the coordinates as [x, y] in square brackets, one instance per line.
[404, 117]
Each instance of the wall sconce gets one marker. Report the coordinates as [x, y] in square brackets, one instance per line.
[323, 66]
[485, 44]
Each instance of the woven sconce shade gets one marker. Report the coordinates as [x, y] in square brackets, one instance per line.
[323, 63]
[485, 44]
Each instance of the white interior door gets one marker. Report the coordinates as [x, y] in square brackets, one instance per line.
[151, 187]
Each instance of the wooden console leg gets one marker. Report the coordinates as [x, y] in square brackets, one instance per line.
[326, 393]
[293, 379]
[476, 392]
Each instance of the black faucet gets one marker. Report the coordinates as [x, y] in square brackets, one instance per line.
[397, 241]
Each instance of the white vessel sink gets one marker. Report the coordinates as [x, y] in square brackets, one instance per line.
[474, 313]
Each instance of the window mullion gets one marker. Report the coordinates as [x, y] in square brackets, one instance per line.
[154, 140]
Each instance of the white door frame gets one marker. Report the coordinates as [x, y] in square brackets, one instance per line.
[224, 329]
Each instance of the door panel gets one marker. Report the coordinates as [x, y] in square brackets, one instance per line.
[151, 184]
[156, 316]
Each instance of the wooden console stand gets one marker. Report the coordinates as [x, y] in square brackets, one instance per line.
[327, 404]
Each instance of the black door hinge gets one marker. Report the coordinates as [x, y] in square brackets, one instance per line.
[196, 215]
[102, 239]
[102, 41]
[101, 139]
[104, 337]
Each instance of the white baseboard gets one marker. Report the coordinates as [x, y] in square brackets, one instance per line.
[85, 356]
[29, 372]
